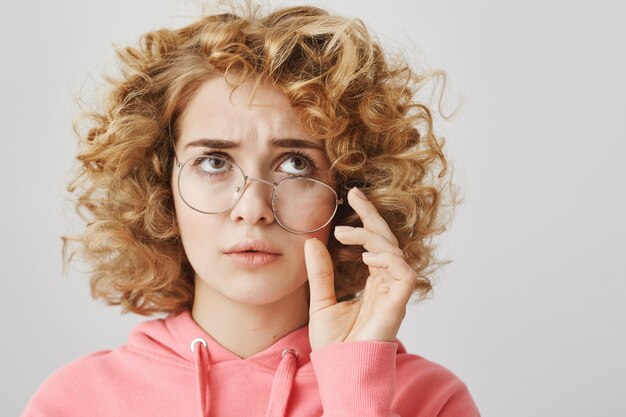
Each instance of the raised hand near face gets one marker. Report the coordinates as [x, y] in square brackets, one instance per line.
[382, 307]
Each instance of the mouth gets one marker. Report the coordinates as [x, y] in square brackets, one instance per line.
[253, 258]
[254, 251]
[253, 246]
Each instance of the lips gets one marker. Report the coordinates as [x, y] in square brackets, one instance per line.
[253, 246]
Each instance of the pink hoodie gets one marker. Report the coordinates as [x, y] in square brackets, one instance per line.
[171, 367]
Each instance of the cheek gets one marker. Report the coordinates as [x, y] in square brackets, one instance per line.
[322, 235]
[297, 243]
[194, 227]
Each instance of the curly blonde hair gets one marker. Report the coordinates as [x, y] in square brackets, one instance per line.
[362, 103]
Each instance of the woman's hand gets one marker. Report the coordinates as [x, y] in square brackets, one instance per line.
[382, 307]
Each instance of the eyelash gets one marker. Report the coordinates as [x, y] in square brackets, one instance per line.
[297, 152]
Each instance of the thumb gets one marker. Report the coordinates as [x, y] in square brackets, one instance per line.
[319, 267]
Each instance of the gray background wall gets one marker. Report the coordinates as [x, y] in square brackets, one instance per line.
[531, 312]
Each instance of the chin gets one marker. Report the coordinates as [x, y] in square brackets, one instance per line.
[260, 293]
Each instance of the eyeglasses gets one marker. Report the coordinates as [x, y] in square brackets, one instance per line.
[212, 184]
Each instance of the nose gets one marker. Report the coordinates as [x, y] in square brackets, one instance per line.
[254, 206]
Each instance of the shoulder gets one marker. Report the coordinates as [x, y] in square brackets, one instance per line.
[433, 386]
[63, 392]
[98, 383]
[418, 368]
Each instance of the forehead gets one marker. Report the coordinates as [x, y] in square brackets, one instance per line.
[249, 114]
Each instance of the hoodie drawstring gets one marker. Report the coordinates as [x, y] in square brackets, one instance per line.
[281, 384]
[203, 367]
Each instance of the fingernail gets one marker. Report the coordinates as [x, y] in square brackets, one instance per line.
[342, 229]
[359, 194]
[368, 254]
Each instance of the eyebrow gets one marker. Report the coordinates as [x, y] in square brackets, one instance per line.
[275, 142]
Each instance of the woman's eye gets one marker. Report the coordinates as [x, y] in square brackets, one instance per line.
[297, 164]
[210, 165]
[213, 163]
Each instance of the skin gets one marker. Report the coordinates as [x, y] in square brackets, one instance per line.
[247, 309]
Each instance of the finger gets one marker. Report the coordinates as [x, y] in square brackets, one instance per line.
[319, 268]
[371, 241]
[401, 278]
[370, 216]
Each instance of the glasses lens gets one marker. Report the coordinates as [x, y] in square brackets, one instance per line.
[304, 204]
[210, 184]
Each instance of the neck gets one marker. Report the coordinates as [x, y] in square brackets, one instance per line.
[247, 329]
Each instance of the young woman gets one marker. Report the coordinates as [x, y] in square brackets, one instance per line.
[269, 183]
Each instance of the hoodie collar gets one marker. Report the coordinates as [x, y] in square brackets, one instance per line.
[172, 336]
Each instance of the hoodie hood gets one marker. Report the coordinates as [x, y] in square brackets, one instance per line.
[179, 338]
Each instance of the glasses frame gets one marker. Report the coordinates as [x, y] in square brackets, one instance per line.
[247, 180]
